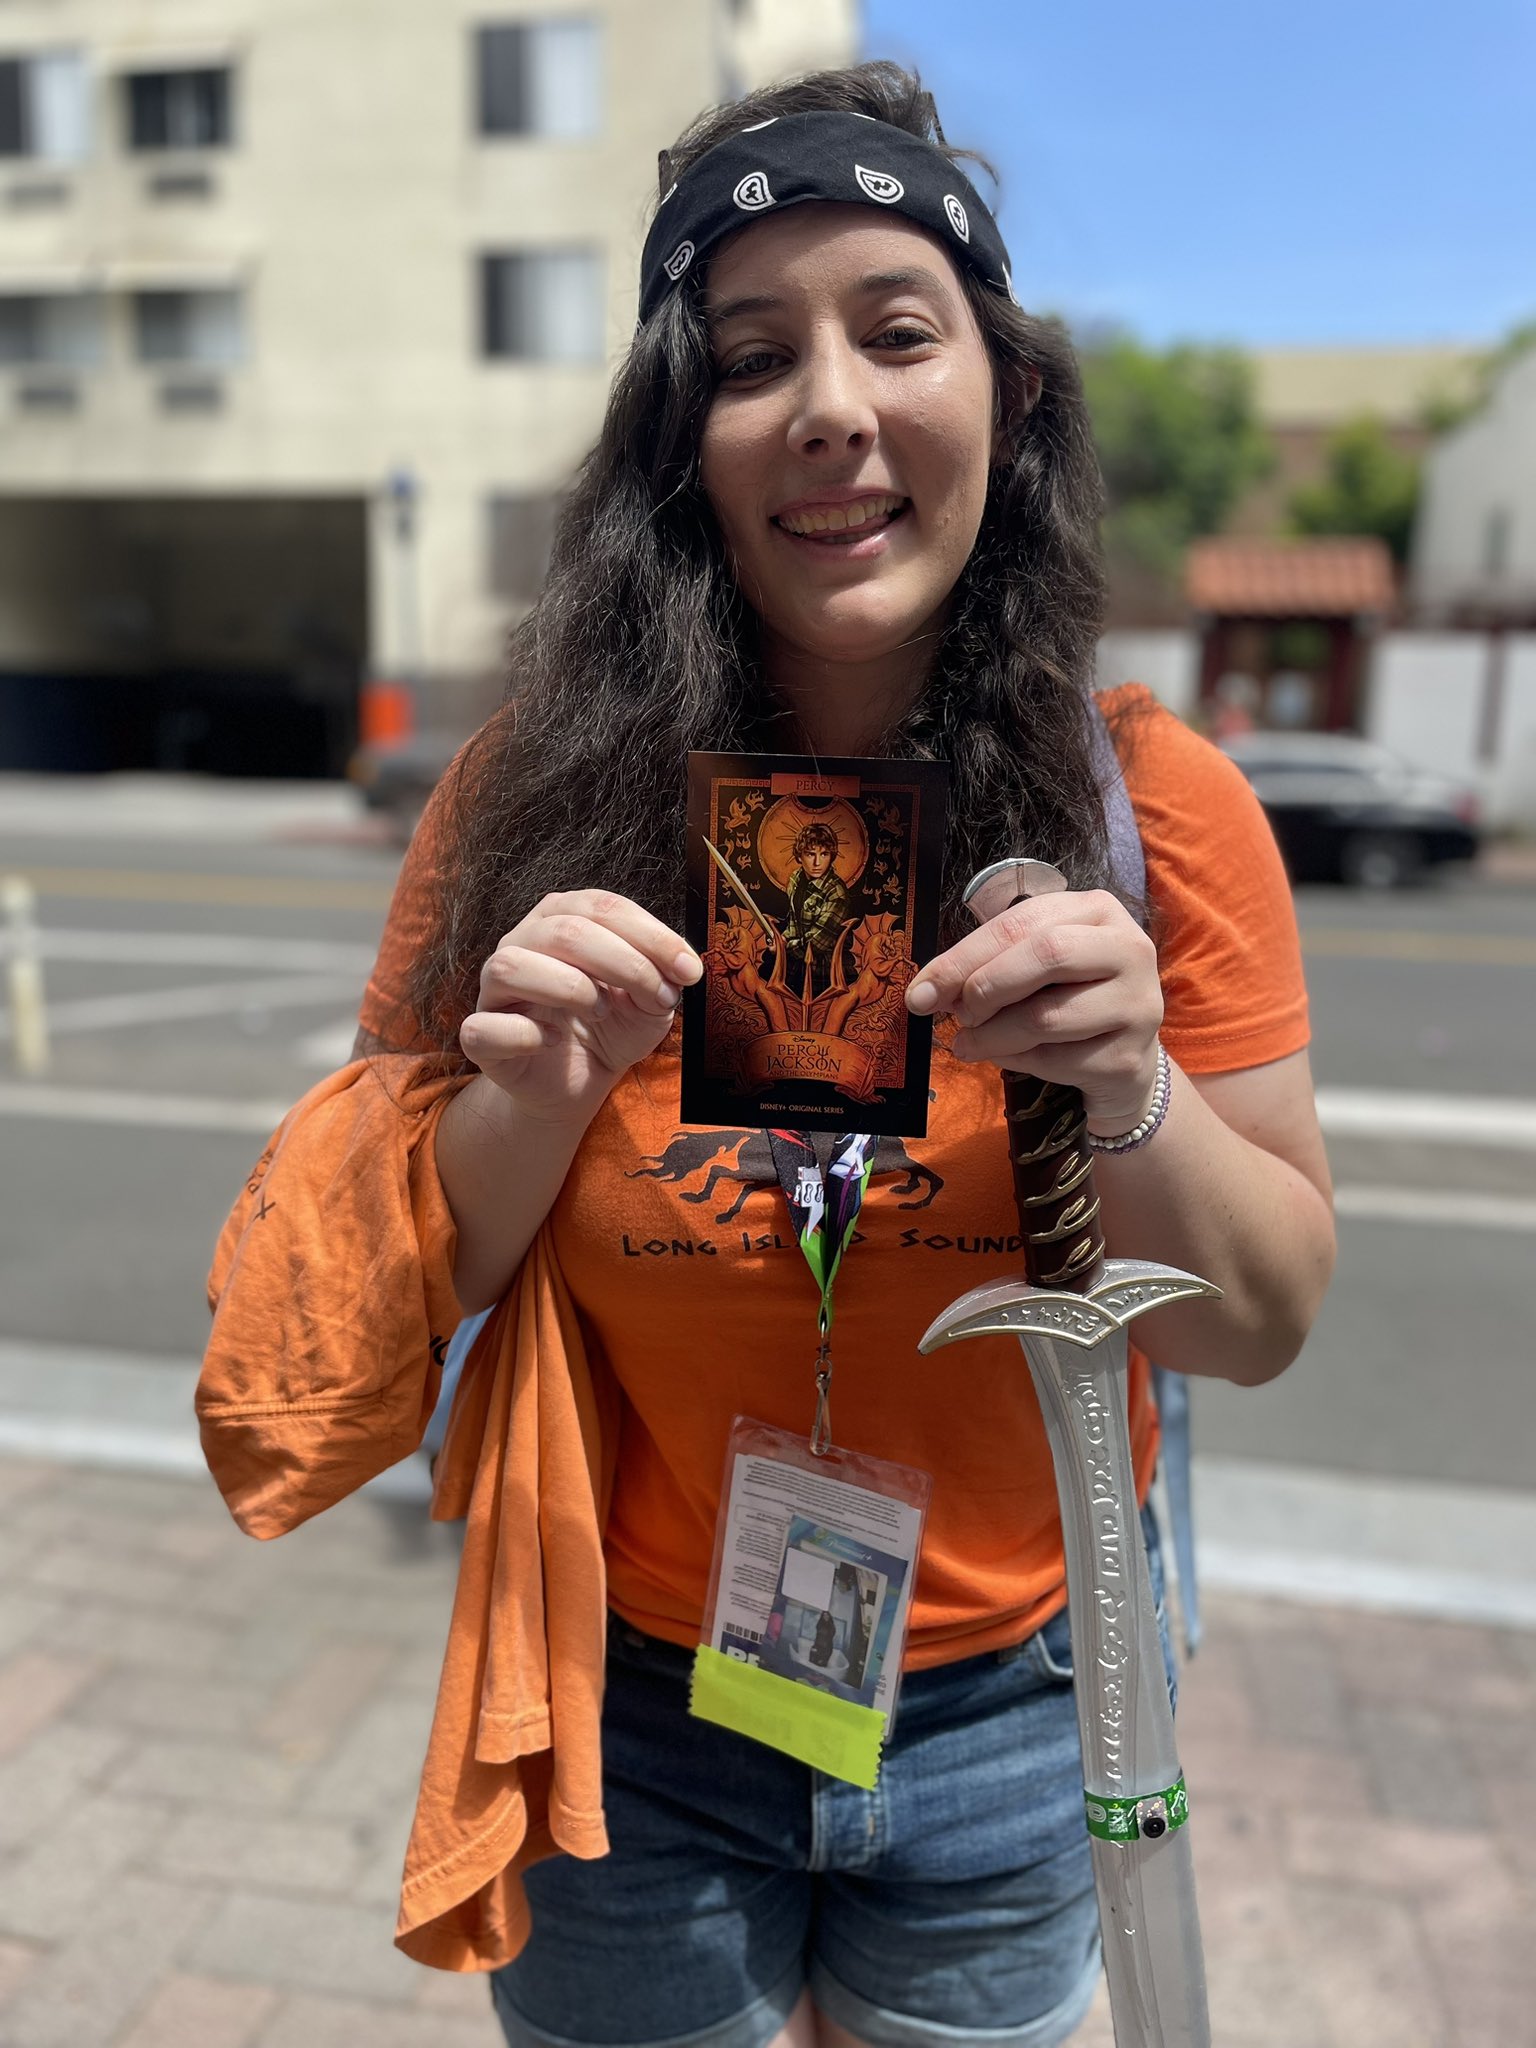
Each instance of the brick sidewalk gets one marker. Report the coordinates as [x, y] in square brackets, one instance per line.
[209, 1750]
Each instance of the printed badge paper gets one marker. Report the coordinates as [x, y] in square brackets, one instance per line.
[832, 1614]
[813, 898]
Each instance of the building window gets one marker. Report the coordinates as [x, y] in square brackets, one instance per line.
[522, 531]
[542, 305]
[179, 109]
[62, 329]
[202, 327]
[539, 78]
[44, 106]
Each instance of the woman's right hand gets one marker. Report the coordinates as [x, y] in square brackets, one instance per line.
[573, 996]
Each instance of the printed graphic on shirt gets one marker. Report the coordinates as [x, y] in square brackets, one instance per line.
[722, 1168]
[812, 899]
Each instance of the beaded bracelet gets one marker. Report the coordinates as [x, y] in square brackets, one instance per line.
[1151, 1123]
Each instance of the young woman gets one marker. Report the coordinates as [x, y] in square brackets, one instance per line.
[844, 502]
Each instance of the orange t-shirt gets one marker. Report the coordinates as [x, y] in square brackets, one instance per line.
[676, 1246]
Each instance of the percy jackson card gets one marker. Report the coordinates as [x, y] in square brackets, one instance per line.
[813, 899]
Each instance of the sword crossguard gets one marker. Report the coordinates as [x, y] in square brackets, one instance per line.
[1125, 1289]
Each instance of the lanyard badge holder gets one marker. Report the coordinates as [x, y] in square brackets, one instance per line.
[816, 1547]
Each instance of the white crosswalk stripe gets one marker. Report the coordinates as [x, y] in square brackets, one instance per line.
[1429, 1119]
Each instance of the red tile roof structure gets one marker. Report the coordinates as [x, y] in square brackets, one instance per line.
[1288, 579]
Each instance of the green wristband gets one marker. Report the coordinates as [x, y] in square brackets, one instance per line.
[1127, 1820]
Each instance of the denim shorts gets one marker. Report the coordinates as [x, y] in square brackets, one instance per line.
[953, 1904]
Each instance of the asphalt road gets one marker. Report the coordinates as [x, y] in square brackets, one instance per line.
[223, 976]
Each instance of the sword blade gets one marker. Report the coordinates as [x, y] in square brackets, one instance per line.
[1148, 1916]
[739, 889]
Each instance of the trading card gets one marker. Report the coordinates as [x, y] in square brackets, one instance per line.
[813, 899]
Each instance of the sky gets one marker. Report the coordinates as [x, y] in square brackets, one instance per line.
[1325, 171]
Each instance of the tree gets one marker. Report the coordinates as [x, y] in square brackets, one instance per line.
[1368, 486]
[1179, 440]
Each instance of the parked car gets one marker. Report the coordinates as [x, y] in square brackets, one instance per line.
[1346, 810]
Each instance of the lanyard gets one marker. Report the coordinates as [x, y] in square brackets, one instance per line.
[825, 1210]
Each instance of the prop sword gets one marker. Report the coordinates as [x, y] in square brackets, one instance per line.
[1070, 1313]
[739, 889]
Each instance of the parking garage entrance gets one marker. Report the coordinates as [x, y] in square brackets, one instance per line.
[221, 636]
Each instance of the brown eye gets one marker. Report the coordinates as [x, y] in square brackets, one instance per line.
[757, 364]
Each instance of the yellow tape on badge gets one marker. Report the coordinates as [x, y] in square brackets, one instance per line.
[832, 1735]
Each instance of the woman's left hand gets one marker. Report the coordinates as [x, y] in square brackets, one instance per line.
[1064, 987]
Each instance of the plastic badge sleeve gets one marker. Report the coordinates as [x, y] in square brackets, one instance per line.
[809, 1596]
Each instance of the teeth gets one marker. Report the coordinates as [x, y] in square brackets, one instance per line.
[838, 518]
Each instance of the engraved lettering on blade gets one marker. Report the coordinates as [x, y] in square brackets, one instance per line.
[678, 261]
[957, 216]
[752, 194]
[880, 186]
[1107, 1524]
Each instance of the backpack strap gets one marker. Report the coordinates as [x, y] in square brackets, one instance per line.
[1128, 873]
[1127, 863]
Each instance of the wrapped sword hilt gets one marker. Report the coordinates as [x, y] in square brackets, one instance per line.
[1047, 1124]
[1053, 1183]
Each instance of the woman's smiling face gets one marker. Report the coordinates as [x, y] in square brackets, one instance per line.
[847, 447]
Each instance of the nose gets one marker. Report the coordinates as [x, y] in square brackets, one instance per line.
[834, 410]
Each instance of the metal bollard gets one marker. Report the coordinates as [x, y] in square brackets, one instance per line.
[24, 976]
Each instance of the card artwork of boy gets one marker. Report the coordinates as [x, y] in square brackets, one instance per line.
[818, 899]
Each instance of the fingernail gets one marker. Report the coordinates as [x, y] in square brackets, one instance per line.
[922, 997]
[669, 995]
[687, 967]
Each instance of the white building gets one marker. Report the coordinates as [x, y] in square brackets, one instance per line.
[1474, 546]
[307, 311]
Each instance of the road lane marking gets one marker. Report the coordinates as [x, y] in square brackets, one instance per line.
[330, 1047]
[138, 1108]
[1464, 949]
[260, 892]
[198, 949]
[209, 999]
[1506, 1122]
[1439, 1119]
[281, 892]
[1447, 1208]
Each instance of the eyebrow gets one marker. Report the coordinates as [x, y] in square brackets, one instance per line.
[877, 281]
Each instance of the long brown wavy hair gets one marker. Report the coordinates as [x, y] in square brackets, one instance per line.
[641, 647]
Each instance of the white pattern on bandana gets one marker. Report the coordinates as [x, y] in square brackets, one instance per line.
[887, 190]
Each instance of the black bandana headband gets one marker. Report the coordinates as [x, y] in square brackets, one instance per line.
[849, 157]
